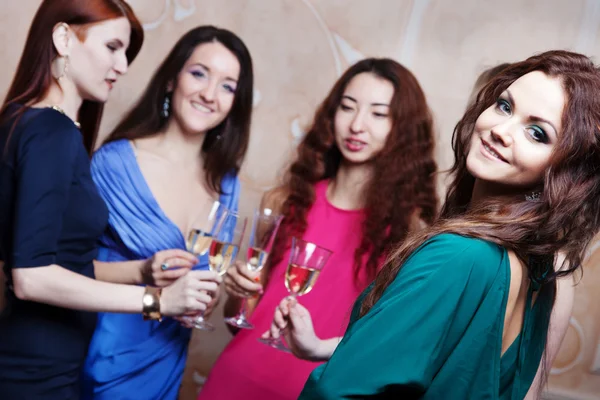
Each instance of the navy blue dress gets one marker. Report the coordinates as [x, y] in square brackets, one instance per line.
[50, 213]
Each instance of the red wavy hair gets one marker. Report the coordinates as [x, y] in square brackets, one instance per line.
[403, 182]
[34, 77]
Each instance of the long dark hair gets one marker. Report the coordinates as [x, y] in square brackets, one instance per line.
[564, 219]
[403, 182]
[34, 73]
[225, 145]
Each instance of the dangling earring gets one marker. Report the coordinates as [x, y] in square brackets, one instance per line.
[166, 107]
[534, 196]
[65, 67]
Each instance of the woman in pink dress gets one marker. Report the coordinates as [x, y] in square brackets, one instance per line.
[364, 177]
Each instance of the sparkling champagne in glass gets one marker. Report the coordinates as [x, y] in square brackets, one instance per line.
[307, 260]
[200, 236]
[198, 242]
[223, 250]
[262, 234]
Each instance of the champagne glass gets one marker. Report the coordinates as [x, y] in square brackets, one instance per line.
[200, 236]
[306, 263]
[262, 234]
[222, 251]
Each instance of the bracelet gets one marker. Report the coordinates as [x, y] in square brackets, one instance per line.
[151, 304]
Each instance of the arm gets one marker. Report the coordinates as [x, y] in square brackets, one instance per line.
[410, 333]
[126, 272]
[60, 287]
[44, 169]
[147, 272]
[559, 323]
[325, 349]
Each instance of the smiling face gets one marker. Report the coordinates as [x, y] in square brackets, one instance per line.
[513, 139]
[97, 62]
[205, 88]
[362, 120]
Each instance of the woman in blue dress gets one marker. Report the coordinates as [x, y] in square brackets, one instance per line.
[180, 146]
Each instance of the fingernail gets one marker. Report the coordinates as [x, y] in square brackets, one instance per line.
[257, 279]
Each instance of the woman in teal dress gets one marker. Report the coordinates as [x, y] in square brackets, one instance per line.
[463, 310]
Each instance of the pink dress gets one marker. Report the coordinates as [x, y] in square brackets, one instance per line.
[251, 370]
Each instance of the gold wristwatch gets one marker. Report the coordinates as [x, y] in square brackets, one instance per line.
[151, 304]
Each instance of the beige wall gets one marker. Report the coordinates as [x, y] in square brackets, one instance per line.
[300, 47]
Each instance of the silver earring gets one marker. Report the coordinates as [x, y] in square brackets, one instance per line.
[534, 196]
[166, 107]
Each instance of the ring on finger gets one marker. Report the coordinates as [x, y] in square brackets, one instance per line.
[164, 266]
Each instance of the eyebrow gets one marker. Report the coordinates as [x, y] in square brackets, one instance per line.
[354, 100]
[208, 69]
[532, 117]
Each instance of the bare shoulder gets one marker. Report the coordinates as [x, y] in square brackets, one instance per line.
[274, 199]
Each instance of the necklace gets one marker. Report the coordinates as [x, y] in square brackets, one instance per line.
[60, 110]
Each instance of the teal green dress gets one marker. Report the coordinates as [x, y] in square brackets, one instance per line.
[436, 333]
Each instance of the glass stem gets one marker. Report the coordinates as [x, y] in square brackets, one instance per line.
[282, 331]
[243, 309]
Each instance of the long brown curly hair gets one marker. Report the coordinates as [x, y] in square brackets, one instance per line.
[566, 217]
[403, 182]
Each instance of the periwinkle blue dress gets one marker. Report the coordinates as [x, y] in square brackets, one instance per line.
[130, 358]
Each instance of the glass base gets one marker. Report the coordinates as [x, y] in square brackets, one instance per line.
[203, 325]
[239, 322]
[276, 344]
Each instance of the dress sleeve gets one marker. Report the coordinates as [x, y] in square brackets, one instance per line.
[400, 344]
[44, 171]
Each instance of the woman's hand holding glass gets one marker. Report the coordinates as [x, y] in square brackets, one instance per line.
[240, 281]
[184, 291]
[190, 294]
[294, 321]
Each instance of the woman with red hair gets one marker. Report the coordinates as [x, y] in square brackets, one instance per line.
[51, 214]
[363, 179]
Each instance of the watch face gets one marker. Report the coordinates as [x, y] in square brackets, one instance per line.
[148, 300]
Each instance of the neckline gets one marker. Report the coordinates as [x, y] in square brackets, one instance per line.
[137, 170]
[322, 188]
[60, 110]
